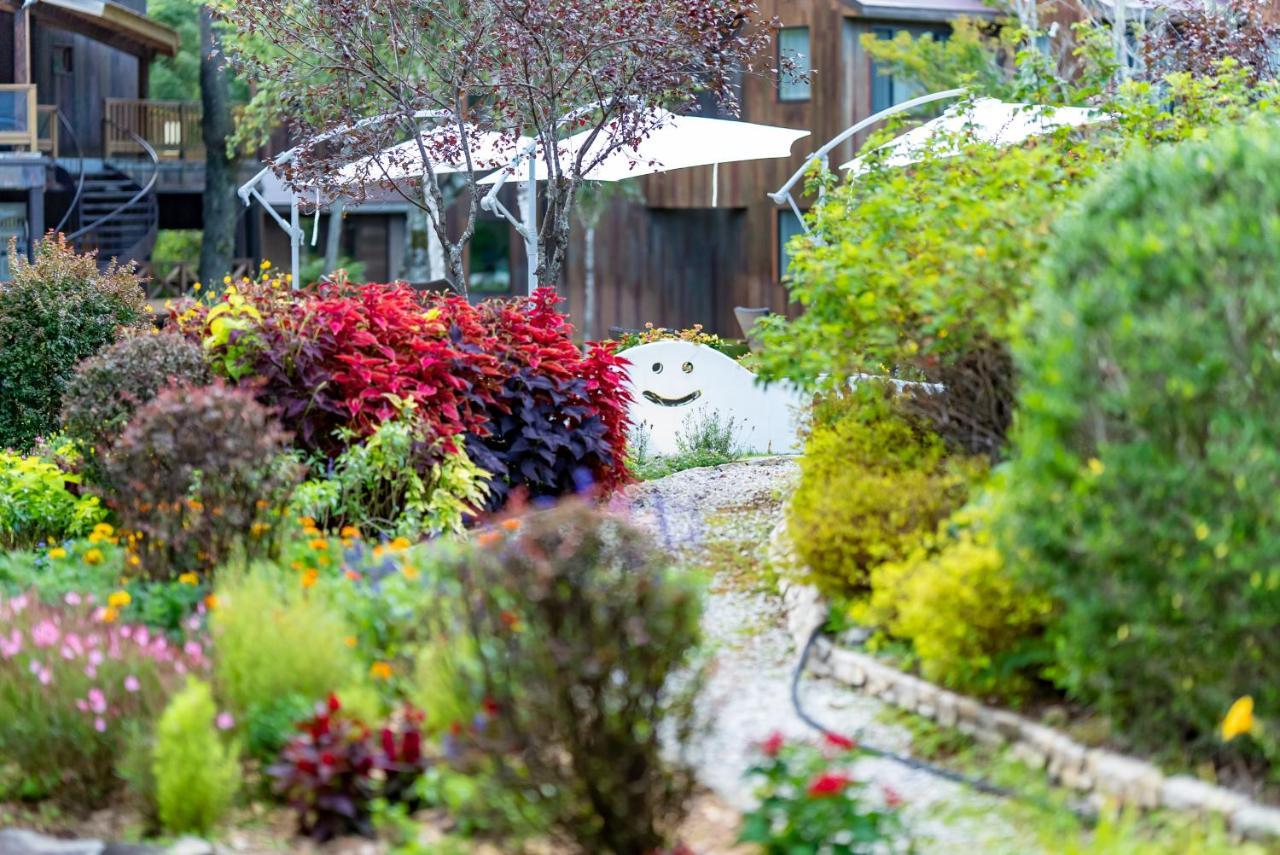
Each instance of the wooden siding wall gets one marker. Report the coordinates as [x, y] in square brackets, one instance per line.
[643, 270]
[98, 72]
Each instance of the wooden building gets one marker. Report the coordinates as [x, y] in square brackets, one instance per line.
[675, 259]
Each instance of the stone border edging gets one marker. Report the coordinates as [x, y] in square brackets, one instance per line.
[1067, 762]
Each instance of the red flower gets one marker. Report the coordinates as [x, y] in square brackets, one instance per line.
[829, 784]
[333, 703]
[772, 745]
[844, 743]
[491, 706]
[892, 798]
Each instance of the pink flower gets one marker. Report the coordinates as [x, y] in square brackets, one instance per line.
[45, 677]
[131, 684]
[772, 745]
[141, 636]
[72, 599]
[91, 672]
[18, 604]
[95, 658]
[225, 721]
[97, 700]
[82, 705]
[126, 631]
[45, 634]
[11, 646]
[193, 649]
[891, 797]
[68, 653]
[100, 725]
[34, 667]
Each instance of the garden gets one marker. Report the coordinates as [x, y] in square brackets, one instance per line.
[284, 568]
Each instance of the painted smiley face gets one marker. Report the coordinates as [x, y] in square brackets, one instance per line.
[683, 400]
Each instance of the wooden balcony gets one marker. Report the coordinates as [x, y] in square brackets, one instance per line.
[172, 128]
[18, 117]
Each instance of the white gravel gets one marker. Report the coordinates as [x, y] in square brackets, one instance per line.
[748, 694]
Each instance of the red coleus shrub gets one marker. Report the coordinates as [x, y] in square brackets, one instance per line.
[504, 377]
[337, 766]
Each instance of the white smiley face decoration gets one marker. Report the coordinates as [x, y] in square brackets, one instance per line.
[676, 383]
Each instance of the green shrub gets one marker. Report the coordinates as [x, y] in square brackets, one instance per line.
[872, 486]
[198, 472]
[1144, 492]
[705, 438]
[580, 629]
[55, 312]
[274, 637]
[36, 504]
[271, 722]
[107, 388]
[196, 774]
[971, 622]
[395, 483]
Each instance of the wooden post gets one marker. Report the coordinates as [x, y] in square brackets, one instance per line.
[22, 46]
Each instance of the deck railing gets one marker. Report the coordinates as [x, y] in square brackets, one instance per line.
[171, 127]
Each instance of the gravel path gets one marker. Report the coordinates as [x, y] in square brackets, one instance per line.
[698, 513]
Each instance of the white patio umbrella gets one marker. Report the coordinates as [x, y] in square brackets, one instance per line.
[489, 150]
[675, 142]
[983, 120]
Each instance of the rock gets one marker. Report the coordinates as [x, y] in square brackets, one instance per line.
[946, 709]
[20, 842]
[191, 846]
[1131, 781]
[1181, 792]
[1257, 822]
[1029, 755]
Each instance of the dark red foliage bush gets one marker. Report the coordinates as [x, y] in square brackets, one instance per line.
[336, 766]
[198, 471]
[559, 422]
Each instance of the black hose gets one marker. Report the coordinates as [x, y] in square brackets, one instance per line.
[981, 785]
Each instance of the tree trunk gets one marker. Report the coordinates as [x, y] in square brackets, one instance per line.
[333, 238]
[218, 244]
[589, 284]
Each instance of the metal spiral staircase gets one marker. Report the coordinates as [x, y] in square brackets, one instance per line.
[112, 210]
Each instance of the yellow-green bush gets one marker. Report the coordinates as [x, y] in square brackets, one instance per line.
[273, 637]
[965, 614]
[196, 775]
[872, 485]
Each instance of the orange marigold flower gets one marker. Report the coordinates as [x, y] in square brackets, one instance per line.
[211, 602]
[488, 538]
[309, 578]
[109, 615]
[350, 641]
[318, 543]
[380, 670]
[511, 523]
[350, 531]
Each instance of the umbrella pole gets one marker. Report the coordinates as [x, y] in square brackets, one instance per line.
[531, 224]
[295, 241]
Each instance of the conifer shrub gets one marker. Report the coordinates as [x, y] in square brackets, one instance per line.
[106, 389]
[1144, 490]
[56, 311]
[196, 772]
[872, 487]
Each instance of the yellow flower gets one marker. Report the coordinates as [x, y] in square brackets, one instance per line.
[266, 264]
[134, 560]
[380, 670]
[350, 531]
[93, 556]
[57, 552]
[119, 599]
[410, 572]
[259, 528]
[306, 522]
[309, 578]
[196, 286]
[318, 543]
[350, 640]
[104, 529]
[109, 615]
[1096, 466]
[399, 544]
[1239, 719]
[189, 579]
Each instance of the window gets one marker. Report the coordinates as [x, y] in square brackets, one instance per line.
[491, 257]
[887, 90]
[13, 224]
[788, 227]
[62, 59]
[793, 45]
